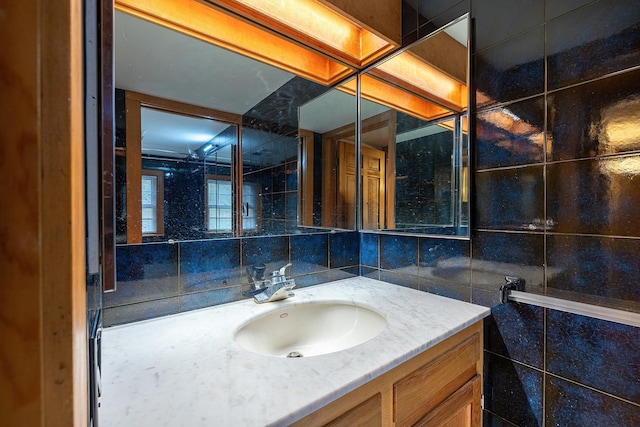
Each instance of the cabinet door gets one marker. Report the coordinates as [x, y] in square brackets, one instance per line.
[461, 409]
[366, 414]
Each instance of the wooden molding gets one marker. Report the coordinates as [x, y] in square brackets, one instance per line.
[42, 302]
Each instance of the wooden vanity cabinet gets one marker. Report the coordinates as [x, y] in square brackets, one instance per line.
[441, 386]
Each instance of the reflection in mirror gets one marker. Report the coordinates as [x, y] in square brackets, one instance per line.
[207, 139]
[327, 153]
[414, 148]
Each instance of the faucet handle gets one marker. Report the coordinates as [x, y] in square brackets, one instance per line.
[284, 268]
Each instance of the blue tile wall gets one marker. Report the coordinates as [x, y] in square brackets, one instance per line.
[399, 253]
[556, 196]
[516, 331]
[576, 132]
[595, 196]
[510, 70]
[510, 199]
[511, 135]
[157, 279]
[608, 351]
[586, 264]
[309, 253]
[498, 20]
[571, 404]
[369, 252]
[209, 264]
[592, 41]
[513, 391]
[344, 249]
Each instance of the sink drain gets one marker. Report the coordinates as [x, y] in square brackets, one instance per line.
[294, 354]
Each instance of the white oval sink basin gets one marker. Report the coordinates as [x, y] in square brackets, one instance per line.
[310, 329]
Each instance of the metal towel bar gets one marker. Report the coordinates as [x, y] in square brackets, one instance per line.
[590, 310]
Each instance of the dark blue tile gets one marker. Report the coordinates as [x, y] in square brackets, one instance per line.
[445, 260]
[497, 20]
[594, 119]
[496, 255]
[343, 273]
[409, 17]
[555, 8]
[312, 279]
[369, 249]
[273, 252]
[198, 300]
[444, 289]
[597, 266]
[371, 273]
[209, 264]
[291, 212]
[511, 135]
[513, 391]
[429, 10]
[608, 352]
[398, 252]
[516, 331]
[146, 262]
[599, 196]
[601, 38]
[344, 249]
[492, 420]
[408, 281]
[569, 404]
[140, 311]
[511, 70]
[510, 199]
[309, 253]
[144, 272]
[436, 14]
[487, 298]
[278, 208]
[292, 176]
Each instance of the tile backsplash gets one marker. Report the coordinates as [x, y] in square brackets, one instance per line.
[156, 279]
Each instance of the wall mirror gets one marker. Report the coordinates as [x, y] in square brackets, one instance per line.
[327, 131]
[207, 140]
[414, 144]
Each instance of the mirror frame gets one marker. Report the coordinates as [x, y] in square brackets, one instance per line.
[134, 101]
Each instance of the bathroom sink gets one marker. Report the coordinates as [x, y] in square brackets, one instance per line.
[310, 329]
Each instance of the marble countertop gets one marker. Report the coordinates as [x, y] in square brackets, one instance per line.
[187, 370]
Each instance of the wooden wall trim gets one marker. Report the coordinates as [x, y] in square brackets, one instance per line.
[20, 265]
[42, 260]
[134, 169]
[62, 215]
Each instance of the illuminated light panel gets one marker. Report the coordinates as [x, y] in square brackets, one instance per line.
[213, 26]
[416, 75]
[315, 25]
[378, 91]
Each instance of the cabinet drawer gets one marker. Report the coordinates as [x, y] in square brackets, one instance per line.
[422, 390]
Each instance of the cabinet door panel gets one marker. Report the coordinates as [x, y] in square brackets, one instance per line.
[422, 390]
[366, 414]
[461, 409]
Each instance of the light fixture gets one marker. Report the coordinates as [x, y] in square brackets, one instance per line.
[316, 24]
[415, 75]
[222, 28]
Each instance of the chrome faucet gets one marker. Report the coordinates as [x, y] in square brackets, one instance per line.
[277, 288]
